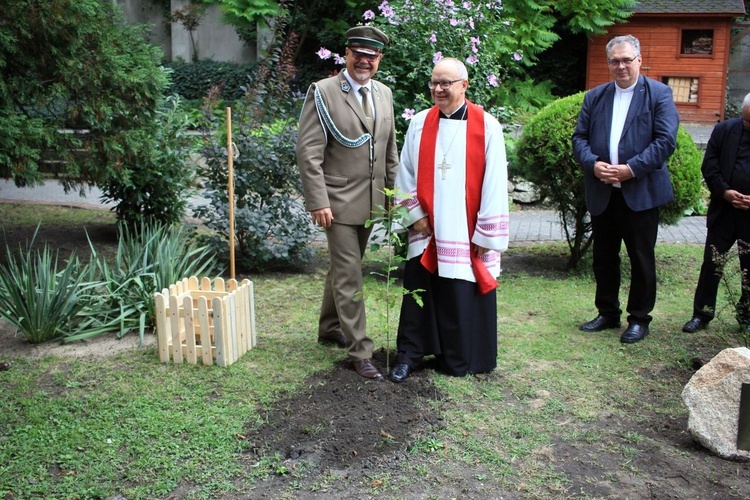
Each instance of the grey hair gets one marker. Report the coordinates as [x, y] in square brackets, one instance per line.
[463, 73]
[625, 39]
[746, 101]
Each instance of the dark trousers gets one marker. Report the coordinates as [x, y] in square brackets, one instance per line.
[731, 226]
[638, 230]
[455, 323]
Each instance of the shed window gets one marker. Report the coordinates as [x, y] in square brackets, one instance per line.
[697, 42]
[684, 88]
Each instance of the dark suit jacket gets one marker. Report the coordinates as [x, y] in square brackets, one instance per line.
[648, 139]
[718, 163]
[339, 177]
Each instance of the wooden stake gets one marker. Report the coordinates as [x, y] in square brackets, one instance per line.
[230, 190]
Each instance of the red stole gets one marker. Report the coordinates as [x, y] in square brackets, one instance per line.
[475, 163]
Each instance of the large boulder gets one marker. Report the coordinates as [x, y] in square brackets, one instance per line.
[523, 191]
[712, 397]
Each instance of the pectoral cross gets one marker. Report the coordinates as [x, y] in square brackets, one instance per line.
[443, 167]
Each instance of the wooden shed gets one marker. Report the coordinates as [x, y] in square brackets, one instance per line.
[684, 44]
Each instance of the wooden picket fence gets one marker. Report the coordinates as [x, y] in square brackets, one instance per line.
[195, 320]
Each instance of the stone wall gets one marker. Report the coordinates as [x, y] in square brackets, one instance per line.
[214, 38]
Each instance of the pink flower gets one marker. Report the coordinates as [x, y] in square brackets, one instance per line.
[387, 11]
[472, 59]
[467, 5]
[474, 49]
[492, 80]
[324, 53]
[437, 57]
[433, 37]
[408, 113]
[476, 40]
[368, 15]
[454, 22]
[383, 5]
[517, 56]
[339, 59]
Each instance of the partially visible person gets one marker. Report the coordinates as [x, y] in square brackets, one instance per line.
[347, 156]
[454, 168]
[626, 132]
[726, 169]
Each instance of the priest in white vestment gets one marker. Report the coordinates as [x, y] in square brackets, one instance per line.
[454, 170]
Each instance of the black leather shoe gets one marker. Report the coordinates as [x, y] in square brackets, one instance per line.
[600, 323]
[337, 338]
[634, 333]
[694, 325]
[366, 369]
[399, 372]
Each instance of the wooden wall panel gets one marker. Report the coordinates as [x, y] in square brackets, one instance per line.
[660, 49]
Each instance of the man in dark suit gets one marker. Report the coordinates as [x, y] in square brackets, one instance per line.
[347, 156]
[626, 131]
[726, 169]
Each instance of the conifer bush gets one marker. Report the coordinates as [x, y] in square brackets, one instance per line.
[545, 157]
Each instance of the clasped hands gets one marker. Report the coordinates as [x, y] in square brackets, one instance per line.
[737, 199]
[610, 174]
[422, 226]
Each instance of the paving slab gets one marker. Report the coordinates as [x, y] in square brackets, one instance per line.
[525, 225]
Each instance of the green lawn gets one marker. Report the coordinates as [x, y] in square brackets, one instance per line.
[130, 425]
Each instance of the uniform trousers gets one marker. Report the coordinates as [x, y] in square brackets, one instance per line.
[343, 305]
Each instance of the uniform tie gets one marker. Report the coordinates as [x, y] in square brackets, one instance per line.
[366, 106]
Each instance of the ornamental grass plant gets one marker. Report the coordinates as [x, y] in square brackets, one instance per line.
[149, 258]
[48, 298]
[42, 295]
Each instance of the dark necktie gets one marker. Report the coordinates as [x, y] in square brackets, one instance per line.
[366, 106]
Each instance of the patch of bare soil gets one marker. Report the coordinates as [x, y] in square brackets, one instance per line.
[344, 436]
[341, 436]
[15, 345]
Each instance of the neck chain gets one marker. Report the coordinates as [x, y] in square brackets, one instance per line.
[444, 165]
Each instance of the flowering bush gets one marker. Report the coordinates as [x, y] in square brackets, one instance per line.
[423, 33]
[497, 40]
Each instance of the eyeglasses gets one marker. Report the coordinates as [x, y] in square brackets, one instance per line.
[445, 85]
[359, 55]
[616, 62]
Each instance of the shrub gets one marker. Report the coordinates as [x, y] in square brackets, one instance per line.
[73, 65]
[730, 308]
[545, 157]
[685, 172]
[157, 186]
[47, 300]
[192, 81]
[272, 227]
